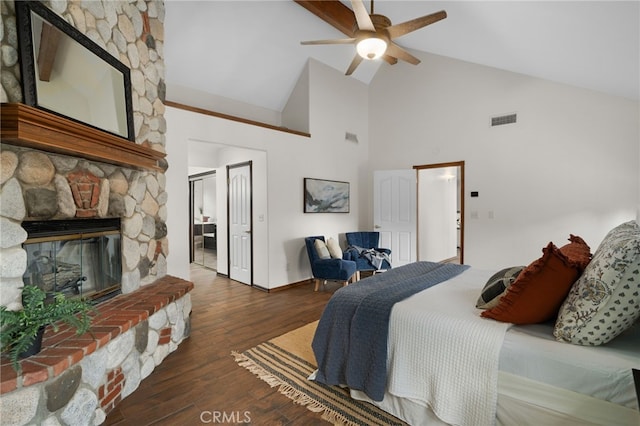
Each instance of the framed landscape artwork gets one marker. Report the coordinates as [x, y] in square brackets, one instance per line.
[325, 196]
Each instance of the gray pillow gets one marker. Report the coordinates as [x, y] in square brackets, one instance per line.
[496, 286]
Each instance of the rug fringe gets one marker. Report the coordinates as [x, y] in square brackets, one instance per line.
[295, 395]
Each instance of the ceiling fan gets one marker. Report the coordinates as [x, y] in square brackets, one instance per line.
[372, 34]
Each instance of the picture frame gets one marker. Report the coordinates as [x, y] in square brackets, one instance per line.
[326, 196]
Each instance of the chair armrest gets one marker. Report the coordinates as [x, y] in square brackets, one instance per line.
[350, 254]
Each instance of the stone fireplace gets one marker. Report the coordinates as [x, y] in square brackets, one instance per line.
[55, 169]
[43, 188]
[55, 173]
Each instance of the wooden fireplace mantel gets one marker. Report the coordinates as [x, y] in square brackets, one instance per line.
[23, 125]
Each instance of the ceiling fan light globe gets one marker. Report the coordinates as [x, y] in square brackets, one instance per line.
[371, 48]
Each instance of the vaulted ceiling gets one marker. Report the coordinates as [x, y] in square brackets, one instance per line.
[250, 51]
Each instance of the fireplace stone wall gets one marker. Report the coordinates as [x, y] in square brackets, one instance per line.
[36, 185]
[39, 185]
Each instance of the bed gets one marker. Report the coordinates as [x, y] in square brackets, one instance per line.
[436, 360]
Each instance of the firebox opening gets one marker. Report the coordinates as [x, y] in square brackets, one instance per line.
[80, 258]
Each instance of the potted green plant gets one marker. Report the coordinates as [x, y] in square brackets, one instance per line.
[23, 329]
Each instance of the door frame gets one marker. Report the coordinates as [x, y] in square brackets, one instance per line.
[461, 195]
[192, 179]
[248, 163]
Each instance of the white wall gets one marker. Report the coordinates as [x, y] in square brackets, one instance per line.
[337, 104]
[195, 98]
[295, 114]
[177, 187]
[569, 165]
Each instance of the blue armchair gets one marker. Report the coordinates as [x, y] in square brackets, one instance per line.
[365, 240]
[328, 269]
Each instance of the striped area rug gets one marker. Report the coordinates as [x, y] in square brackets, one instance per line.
[286, 362]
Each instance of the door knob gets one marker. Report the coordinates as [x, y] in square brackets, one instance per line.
[377, 227]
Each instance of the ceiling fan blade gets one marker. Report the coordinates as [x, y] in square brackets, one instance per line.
[390, 59]
[398, 52]
[333, 41]
[354, 64]
[415, 24]
[362, 16]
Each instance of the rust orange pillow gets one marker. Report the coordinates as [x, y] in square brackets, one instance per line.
[538, 292]
[577, 251]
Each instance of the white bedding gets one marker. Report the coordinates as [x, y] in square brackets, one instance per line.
[592, 377]
[432, 359]
[603, 372]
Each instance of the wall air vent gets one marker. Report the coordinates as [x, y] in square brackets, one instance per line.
[503, 119]
[351, 137]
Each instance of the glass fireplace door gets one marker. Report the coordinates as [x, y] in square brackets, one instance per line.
[80, 265]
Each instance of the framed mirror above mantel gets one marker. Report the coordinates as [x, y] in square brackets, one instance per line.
[65, 72]
[77, 96]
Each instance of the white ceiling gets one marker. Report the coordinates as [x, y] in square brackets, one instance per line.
[250, 51]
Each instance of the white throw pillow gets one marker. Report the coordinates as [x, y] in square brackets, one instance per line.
[334, 248]
[321, 249]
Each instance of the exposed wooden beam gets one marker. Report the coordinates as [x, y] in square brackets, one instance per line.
[49, 42]
[332, 12]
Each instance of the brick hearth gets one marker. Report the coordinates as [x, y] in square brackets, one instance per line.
[63, 349]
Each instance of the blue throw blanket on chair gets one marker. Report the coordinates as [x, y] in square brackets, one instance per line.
[350, 343]
[373, 256]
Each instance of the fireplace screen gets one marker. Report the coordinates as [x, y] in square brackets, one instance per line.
[84, 264]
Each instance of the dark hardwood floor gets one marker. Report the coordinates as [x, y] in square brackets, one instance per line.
[201, 376]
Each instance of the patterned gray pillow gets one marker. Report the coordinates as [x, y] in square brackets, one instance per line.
[605, 300]
[496, 286]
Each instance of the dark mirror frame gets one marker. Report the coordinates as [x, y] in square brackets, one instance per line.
[27, 64]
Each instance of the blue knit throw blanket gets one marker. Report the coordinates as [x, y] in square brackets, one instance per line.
[350, 343]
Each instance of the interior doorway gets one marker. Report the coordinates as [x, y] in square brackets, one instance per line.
[441, 212]
[203, 227]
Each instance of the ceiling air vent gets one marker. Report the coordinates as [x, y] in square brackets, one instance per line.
[503, 119]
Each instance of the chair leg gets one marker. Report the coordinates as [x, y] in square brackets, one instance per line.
[357, 275]
[317, 284]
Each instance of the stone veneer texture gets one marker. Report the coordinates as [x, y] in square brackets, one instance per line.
[41, 186]
[77, 380]
[37, 185]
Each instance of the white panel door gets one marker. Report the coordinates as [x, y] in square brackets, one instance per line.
[240, 241]
[394, 213]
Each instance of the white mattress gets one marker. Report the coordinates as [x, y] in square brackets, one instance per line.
[564, 372]
[603, 372]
